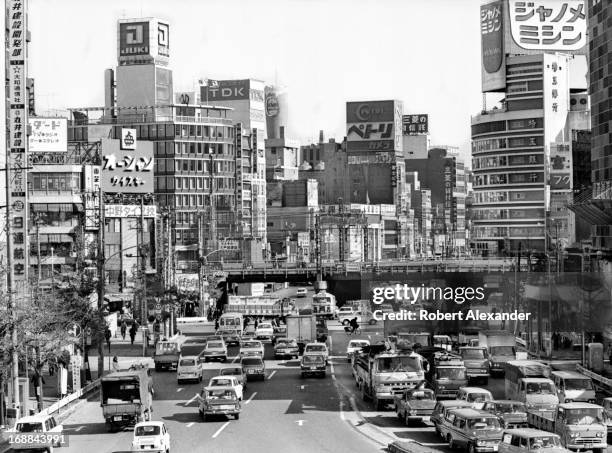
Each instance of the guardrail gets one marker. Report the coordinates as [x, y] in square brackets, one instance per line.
[594, 376]
[55, 407]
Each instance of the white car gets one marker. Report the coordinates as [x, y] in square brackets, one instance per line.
[301, 292]
[476, 396]
[37, 424]
[151, 436]
[227, 381]
[345, 311]
[355, 346]
[251, 348]
[264, 330]
[189, 369]
[317, 349]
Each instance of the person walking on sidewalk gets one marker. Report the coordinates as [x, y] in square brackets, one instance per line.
[132, 333]
[107, 335]
[36, 384]
[123, 329]
[115, 363]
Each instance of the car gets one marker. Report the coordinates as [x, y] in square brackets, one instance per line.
[441, 411]
[527, 440]
[251, 348]
[415, 405]
[237, 372]
[248, 335]
[254, 367]
[264, 331]
[189, 368]
[511, 414]
[317, 348]
[301, 292]
[151, 436]
[313, 364]
[37, 424]
[218, 336]
[473, 430]
[476, 396]
[346, 312]
[215, 350]
[286, 347]
[227, 381]
[354, 346]
[231, 336]
[219, 401]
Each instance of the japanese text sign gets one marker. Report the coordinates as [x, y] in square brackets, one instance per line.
[126, 171]
[415, 124]
[48, 134]
[549, 24]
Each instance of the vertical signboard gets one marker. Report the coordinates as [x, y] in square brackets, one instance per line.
[415, 124]
[238, 134]
[92, 197]
[17, 143]
[492, 40]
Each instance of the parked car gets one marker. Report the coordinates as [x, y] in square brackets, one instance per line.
[254, 367]
[286, 347]
[215, 350]
[151, 436]
[189, 368]
[219, 401]
[226, 381]
[251, 348]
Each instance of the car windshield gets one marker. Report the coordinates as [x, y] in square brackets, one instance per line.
[422, 395]
[472, 354]
[225, 394]
[478, 397]
[544, 442]
[29, 427]
[540, 388]
[147, 430]
[502, 350]
[227, 322]
[220, 382]
[308, 359]
[231, 371]
[578, 384]
[214, 344]
[451, 373]
[586, 416]
[507, 408]
[405, 364]
[252, 361]
[251, 344]
[358, 344]
[483, 423]
[264, 325]
[315, 347]
[187, 362]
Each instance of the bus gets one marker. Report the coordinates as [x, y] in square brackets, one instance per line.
[231, 321]
[324, 304]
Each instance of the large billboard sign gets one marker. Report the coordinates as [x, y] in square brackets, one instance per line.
[127, 171]
[370, 112]
[230, 90]
[48, 134]
[549, 25]
[17, 143]
[415, 124]
[492, 39]
[374, 126]
[143, 40]
[129, 210]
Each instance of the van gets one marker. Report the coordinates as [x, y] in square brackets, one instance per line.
[474, 431]
[573, 386]
[440, 412]
[526, 439]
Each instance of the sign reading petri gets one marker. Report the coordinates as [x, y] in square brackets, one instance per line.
[127, 171]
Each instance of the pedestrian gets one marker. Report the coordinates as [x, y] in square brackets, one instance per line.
[216, 324]
[132, 333]
[123, 329]
[37, 379]
[51, 368]
[107, 335]
[115, 363]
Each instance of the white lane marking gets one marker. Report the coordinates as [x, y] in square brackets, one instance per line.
[220, 429]
[250, 398]
[300, 422]
[369, 337]
[272, 374]
[331, 344]
[190, 424]
[342, 409]
[302, 387]
[435, 444]
[191, 400]
[333, 377]
[179, 389]
[79, 428]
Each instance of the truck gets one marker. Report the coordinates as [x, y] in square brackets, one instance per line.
[302, 328]
[168, 352]
[409, 332]
[381, 375]
[579, 425]
[476, 362]
[324, 304]
[528, 381]
[126, 397]
[448, 374]
[501, 348]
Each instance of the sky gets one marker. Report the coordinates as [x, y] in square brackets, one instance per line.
[425, 53]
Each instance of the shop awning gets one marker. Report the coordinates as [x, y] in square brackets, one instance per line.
[54, 207]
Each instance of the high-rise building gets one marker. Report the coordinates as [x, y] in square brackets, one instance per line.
[521, 150]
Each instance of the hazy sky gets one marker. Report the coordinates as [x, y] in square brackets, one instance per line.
[425, 53]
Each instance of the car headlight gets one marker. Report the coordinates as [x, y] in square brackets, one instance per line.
[592, 401]
[569, 401]
[442, 387]
[574, 435]
[599, 434]
[480, 442]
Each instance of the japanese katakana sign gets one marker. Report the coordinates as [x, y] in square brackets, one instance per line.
[17, 141]
[129, 210]
[127, 171]
[560, 167]
[492, 35]
[48, 134]
[415, 124]
[549, 24]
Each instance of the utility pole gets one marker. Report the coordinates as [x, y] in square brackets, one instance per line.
[10, 280]
[143, 264]
[101, 286]
[318, 247]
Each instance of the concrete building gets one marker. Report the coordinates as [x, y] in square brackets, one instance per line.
[422, 215]
[282, 158]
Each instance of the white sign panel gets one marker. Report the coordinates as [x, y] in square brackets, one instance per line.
[128, 139]
[187, 282]
[549, 24]
[48, 134]
[129, 210]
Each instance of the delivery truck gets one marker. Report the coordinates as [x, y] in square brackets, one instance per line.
[501, 348]
[528, 381]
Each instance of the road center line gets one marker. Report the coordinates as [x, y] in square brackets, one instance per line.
[250, 398]
[220, 429]
[190, 424]
[272, 374]
[179, 389]
[79, 428]
[191, 400]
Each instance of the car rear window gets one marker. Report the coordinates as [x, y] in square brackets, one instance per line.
[214, 344]
[265, 326]
[187, 362]
[251, 344]
[315, 347]
[251, 361]
[147, 430]
[231, 371]
[220, 382]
